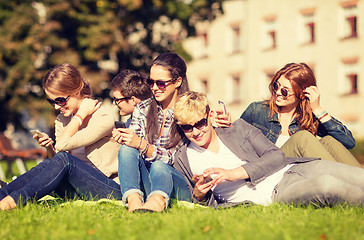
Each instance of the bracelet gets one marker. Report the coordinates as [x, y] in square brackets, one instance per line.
[326, 114]
[144, 151]
[320, 114]
[79, 118]
[140, 143]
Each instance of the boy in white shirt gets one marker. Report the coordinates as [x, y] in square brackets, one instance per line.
[246, 167]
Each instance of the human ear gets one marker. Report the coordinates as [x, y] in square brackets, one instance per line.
[178, 82]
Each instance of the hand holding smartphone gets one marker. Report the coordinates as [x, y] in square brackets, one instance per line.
[206, 179]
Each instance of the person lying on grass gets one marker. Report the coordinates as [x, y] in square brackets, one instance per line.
[229, 166]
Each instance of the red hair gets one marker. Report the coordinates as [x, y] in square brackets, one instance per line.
[301, 76]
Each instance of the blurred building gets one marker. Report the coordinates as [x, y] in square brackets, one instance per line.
[236, 55]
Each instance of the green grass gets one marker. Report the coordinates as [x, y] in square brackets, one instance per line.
[54, 220]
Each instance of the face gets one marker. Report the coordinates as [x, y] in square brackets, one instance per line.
[66, 104]
[166, 94]
[125, 105]
[284, 87]
[201, 134]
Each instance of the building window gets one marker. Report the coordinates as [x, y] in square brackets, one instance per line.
[232, 88]
[202, 39]
[349, 21]
[236, 39]
[307, 27]
[266, 78]
[269, 34]
[205, 85]
[349, 79]
[236, 89]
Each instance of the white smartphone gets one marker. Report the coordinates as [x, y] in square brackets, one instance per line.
[34, 131]
[223, 107]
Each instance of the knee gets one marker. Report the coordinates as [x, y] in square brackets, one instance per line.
[326, 185]
[303, 135]
[159, 168]
[329, 141]
[127, 153]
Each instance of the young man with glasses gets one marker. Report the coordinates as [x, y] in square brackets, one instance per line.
[245, 167]
[129, 88]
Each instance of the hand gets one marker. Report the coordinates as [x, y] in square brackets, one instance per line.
[44, 141]
[126, 136]
[226, 174]
[222, 120]
[313, 95]
[88, 107]
[201, 189]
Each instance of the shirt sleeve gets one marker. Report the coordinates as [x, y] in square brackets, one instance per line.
[337, 130]
[100, 125]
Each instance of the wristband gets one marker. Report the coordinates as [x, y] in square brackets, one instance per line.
[79, 118]
[320, 114]
[323, 116]
[144, 151]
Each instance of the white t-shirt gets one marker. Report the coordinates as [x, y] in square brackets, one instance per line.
[238, 191]
[282, 139]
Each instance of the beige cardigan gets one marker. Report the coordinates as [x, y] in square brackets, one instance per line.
[100, 149]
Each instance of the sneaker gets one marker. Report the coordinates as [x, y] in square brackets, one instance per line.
[2, 184]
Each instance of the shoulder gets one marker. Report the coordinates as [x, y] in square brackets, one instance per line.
[259, 106]
[143, 106]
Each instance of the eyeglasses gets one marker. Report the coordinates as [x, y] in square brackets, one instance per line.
[60, 101]
[118, 100]
[284, 91]
[187, 128]
[160, 84]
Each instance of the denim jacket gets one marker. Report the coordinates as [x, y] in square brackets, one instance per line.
[257, 114]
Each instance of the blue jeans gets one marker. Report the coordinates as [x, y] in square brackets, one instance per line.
[146, 178]
[321, 183]
[63, 171]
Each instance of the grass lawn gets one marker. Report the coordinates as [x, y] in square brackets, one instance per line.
[55, 219]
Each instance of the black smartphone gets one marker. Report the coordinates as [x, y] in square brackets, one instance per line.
[119, 124]
[206, 179]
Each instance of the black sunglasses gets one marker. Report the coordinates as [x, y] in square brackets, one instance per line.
[160, 84]
[187, 128]
[284, 91]
[118, 100]
[60, 101]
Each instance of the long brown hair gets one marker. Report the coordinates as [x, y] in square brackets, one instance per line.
[301, 76]
[66, 79]
[177, 68]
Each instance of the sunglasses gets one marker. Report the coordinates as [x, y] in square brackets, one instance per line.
[118, 100]
[60, 101]
[284, 91]
[160, 84]
[187, 128]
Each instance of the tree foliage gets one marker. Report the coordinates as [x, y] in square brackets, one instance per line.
[99, 37]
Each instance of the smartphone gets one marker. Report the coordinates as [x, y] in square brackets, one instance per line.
[119, 124]
[223, 107]
[207, 179]
[34, 131]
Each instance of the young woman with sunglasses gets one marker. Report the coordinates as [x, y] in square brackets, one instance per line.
[293, 117]
[151, 140]
[83, 161]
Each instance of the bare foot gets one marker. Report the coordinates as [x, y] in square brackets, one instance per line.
[7, 203]
[156, 203]
[134, 201]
